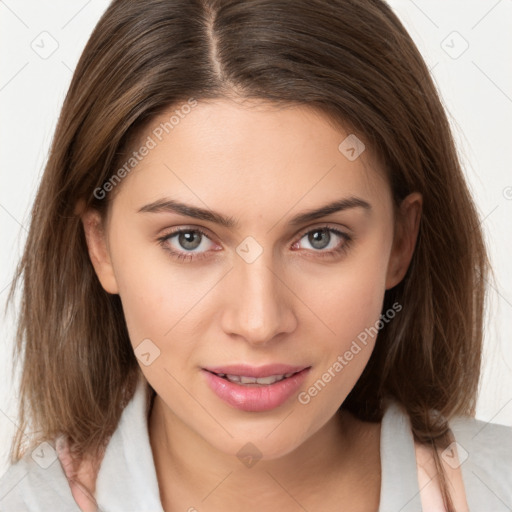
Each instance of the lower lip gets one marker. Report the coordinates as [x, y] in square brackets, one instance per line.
[254, 398]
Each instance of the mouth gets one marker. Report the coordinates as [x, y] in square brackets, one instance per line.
[255, 389]
[245, 380]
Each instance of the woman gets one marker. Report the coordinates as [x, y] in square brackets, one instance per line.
[254, 277]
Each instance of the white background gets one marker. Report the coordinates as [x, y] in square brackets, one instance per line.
[476, 87]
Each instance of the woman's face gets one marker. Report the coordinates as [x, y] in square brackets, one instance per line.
[254, 279]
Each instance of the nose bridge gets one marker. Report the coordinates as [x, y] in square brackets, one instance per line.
[258, 306]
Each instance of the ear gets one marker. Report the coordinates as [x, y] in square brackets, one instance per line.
[95, 235]
[404, 241]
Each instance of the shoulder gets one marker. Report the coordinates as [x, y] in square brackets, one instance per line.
[488, 445]
[36, 483]
[485, 453]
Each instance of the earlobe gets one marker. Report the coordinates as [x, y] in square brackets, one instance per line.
[404, 242]
[99, 253]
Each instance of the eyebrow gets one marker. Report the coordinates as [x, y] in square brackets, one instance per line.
[167, 205]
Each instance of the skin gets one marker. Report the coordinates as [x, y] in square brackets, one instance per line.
[260, 164]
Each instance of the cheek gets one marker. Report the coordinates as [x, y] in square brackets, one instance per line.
[348, 302]
[158, 305]
[163, 302]
[348, 298]
[157, 308]
[149, 295]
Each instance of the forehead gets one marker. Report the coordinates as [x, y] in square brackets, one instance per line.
[250, 155]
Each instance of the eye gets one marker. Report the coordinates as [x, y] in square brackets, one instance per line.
[187, 243]
[326, 240]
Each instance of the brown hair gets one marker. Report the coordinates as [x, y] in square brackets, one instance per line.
[350, 59]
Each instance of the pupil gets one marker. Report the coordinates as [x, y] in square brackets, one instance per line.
[320, 238]
[189, 239]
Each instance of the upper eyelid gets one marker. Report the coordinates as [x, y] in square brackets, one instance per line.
[299, 234]
[322, 226]
[178, 230]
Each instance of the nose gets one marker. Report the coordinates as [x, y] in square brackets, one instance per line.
[258, 304]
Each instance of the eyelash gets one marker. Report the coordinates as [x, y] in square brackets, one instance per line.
[183, 256]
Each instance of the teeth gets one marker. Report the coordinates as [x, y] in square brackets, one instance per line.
[248, 380]
[242, 379]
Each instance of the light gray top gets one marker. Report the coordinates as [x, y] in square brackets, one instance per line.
[127, 479]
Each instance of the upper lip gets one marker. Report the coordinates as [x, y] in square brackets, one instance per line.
[256, 371]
